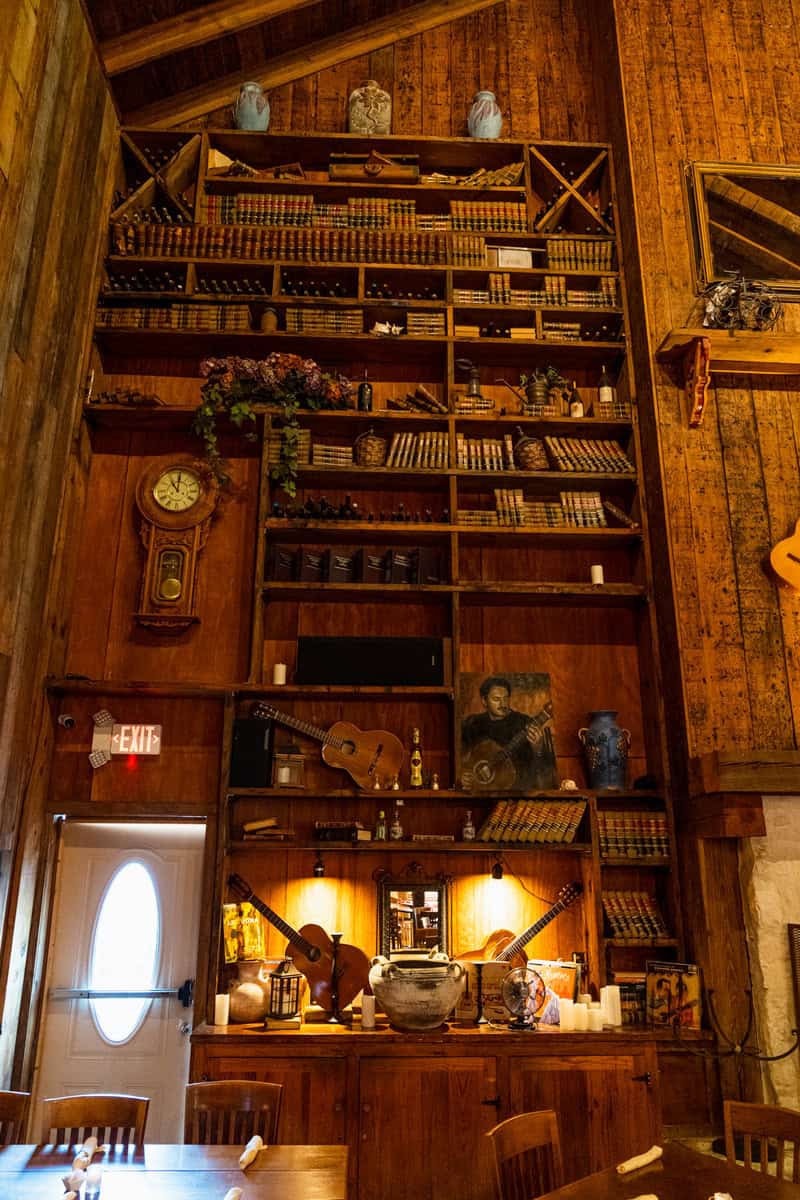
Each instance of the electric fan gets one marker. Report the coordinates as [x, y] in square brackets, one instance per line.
[523, 994]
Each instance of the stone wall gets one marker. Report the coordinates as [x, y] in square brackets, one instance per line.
[770, 877]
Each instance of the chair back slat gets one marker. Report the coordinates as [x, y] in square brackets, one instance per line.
[13, 1116]
[230, 1111]
[527, 1155]
[112, 1119]
[763, 1128]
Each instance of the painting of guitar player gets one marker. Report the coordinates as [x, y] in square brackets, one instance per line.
[506, 732]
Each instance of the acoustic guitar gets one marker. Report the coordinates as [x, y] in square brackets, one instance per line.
[504, 946]
[492, 766]
[364, 755]
[311, 951]
[785, 558]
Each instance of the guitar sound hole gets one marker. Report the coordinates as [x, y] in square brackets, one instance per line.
[348, 748]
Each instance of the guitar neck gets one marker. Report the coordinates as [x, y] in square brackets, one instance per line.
[521, 735]
[312, 731]
[291, 935]
[523, 939]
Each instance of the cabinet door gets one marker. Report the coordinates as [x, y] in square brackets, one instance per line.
[312, 1103]
[605, 1113]
[421, 1128]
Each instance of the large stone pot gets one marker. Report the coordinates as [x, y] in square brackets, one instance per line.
[417, 994]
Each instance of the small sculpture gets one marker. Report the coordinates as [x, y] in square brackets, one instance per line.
[386, 329]
[251, 110]
[369, 109]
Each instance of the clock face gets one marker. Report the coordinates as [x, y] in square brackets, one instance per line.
[177, 489]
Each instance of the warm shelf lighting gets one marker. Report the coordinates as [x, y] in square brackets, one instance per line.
[497, 869]
[318, 870]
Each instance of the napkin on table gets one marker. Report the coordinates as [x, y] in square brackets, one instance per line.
[85, 1154]
[250, 1152]
[233, 1194]
[640, 1160]
[74, 1181]
[70, 1196]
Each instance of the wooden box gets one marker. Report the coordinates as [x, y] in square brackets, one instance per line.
[400, 168]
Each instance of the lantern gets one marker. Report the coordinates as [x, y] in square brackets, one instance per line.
[284, 991]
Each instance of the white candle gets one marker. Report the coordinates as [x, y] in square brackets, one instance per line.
[597, 573]
[595, 1020]
[222, 1008]
[580, 1017]
[565, 1015]
[367, 1012]
[279, 672]
[586, 999]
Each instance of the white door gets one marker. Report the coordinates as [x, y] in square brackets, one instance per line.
[125, 919]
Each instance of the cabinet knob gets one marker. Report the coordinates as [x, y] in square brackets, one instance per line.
[338, 1106]
[646, 1079]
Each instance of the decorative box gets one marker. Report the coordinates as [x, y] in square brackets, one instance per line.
[341, 567]
[427, 565]
[281, 563]
[314, 565]
[373, 567]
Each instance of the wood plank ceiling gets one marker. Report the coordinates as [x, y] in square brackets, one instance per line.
[171, 62]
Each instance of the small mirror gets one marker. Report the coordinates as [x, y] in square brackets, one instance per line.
[746, 219]
[412, 915]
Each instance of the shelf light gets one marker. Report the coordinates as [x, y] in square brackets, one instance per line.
[318, 870]
[497, 868]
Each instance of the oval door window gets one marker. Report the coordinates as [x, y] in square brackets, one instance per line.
[125, 951]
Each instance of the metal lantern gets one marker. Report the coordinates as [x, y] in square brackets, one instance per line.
[284, 991]
[288, 768]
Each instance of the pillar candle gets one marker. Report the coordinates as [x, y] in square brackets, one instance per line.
[222, 1005]
[367, 1012]
[586, 999]
[580, 1017]
[279, 673]
[597, 573]
[595, 1020]
[565, 1018]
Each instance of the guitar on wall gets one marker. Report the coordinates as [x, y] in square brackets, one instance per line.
[785, 558]
[491, 767]
[364, 755]
[311, 952]
[504, 946]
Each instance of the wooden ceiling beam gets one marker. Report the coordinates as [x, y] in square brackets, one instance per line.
[189, 29]
[307, 60]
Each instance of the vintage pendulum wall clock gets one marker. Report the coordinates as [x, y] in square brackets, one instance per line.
[176, 500]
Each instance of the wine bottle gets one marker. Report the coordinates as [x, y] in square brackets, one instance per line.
[396, 829]
[468, 829]
[380, 827]
[415, 762]
[575, 402]
[605, 391]
[365, 394]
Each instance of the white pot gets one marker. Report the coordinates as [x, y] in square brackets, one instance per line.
[417, 997]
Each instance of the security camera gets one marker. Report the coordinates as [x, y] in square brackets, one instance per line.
[66, 720]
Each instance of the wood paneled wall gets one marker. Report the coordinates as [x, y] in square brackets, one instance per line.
[57, 135]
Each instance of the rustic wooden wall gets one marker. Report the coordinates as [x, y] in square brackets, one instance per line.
[57, 135]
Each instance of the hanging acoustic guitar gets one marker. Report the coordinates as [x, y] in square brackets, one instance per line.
[311, 951]
[504, 946]
[785, 558]
[491, 766]
[364, 755]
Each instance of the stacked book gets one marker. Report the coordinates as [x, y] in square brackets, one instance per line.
[633, 834]
[470, 296]
[633, 996]
[561, 331]
[303, 448]
[484, 454]
[500, 287]
[135, 316]
[434, 222]
[468, 251]
[324, 320]
[266, 830]
[231, 317]
[510, 506]
[379, 212]
[421, 324]
[423, 451]
[603, 297]
[324, 455]
[264, 208]
[587, 454]
[467, 331]
[533, 821]
[617, 409]
[584, 509]
[494, 217]
[477, 517]
[633, 915]
[522, 333]
[580, 254]
[473, 404]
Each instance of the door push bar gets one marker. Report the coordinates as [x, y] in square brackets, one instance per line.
[185, 993]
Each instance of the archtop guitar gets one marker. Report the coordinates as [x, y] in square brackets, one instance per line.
[364, 755]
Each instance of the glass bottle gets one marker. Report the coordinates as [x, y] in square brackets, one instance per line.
[468, 829]
[415, 762]
[365, 394]
[605, 390]
[396, 829]
[380, 827]
[575, 402]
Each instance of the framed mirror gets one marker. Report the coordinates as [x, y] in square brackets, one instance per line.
[412, 915]
[746, 218]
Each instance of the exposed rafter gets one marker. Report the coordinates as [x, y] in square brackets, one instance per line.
[307, 60]
[188, 29]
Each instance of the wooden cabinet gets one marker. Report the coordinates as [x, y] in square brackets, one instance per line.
[418, 1106]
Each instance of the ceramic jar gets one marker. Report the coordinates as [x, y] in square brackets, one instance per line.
[369, 109]
[251, 110]
[250, 996]
[605, 746]
[417, 992]
[485, 119]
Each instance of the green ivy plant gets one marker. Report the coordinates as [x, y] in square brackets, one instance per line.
[235, 387]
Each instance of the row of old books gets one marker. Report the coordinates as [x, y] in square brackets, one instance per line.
[533, 821]
[324, 320]
[580, 254]
[633, 834]
[230, 317]
[425, 324]
[555, 294]
[583, 510]
[587, 454]
[484, 453]
[665, 993]
[496, 217]
[633, 915]
[424, 451]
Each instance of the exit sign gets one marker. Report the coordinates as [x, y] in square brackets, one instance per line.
[136, 739]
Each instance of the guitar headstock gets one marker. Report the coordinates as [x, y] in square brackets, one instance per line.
[238, 888]
[264, 711]
[570, 893]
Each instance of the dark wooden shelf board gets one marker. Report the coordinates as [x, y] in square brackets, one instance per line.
[225, 185]
[644, 860]
[351, 531]
[568, 535]
[741, 351]
[411, 592]
[615, 942]
[550, 479]
[607, 595]
[406, 846]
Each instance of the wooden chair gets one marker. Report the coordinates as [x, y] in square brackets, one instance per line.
[527, 1155]
[231, 1111]
[111, 1118]
[769, 1126]
[13, 1115]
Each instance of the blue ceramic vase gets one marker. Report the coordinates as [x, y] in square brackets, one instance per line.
[485, 119]
[605, 746]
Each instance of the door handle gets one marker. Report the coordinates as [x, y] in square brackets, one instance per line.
[646, 1079]
[494, 1103]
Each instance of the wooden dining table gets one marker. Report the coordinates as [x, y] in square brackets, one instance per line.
[681, 1174]
[167, 1172]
